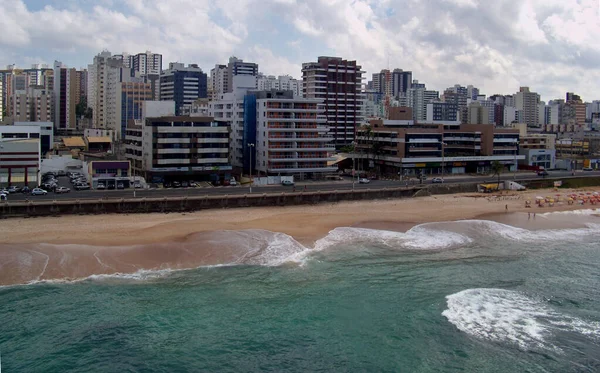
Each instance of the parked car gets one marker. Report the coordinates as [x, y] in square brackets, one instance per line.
[176, 184]
[287, 183]
[100, 186]
[14, 189]
[193, 184]
[25, 190]
[588, 169]
[82, 187]
[120, 186]
[185, 184]
[5, 191]
[49, 186]
[3, 197]
[38, 192]
[543, 173]
[364, 180]
[137, 185]
[437, 180]
[110, 186]
[61, 190]
[232, 182]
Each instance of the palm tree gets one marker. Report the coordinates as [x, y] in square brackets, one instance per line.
[497, 167]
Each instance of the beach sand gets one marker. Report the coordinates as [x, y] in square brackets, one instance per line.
[79, 246]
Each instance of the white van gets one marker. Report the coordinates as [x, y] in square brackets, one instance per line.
[232, 182]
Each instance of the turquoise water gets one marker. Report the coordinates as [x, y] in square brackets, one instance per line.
[447, 297]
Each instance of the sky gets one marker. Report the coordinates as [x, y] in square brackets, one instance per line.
[552, 46]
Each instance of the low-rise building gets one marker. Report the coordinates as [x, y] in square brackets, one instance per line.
[31, 130]
[20, 160]
[394, 147]
[111, 174]
[179, 148]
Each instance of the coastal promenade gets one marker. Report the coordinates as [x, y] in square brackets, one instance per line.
[159, 200]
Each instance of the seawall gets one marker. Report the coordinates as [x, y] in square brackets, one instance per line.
[194, 203]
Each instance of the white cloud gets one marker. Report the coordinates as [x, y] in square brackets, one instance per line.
[550, 45]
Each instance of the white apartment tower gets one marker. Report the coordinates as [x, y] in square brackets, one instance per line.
[338, 83]
[282, 82]
[291, 135]
[527, 102]
[418, 97]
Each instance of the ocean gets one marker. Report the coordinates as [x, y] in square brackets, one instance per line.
[465, 296]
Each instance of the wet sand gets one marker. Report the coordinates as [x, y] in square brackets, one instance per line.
[79, 246]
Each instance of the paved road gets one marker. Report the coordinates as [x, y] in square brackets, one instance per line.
[311, 186]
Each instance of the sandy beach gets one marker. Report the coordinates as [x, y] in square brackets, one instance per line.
[79, 246]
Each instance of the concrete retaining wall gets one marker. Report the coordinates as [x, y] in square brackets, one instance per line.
[181, 204]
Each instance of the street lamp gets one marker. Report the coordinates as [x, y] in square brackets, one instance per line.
[250, 146]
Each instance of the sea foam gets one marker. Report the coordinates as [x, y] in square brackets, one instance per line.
[500, 315]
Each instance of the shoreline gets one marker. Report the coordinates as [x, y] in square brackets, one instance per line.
[34, 249]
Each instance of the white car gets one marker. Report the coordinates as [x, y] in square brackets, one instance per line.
[38, 192]
[364, 180]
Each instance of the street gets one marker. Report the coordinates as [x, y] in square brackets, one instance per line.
[345, 184]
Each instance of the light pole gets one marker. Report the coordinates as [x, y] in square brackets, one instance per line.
[443, 159]
[250, 147]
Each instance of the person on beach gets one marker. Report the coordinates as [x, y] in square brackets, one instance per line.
[506, 207]
[528, 215]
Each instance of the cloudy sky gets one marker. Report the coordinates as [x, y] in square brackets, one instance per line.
[498, 45]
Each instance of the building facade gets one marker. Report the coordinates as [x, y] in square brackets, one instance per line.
[400, 147]
[438, 111]
[19, 162]
[183, 85]
[527, 102]
[291, 136]
[418, 98]
[283, 82]
[338, 83]
[66, 88]
[166, 149]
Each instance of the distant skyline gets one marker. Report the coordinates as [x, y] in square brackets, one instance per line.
[549, 45]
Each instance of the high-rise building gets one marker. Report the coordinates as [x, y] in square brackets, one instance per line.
[182, 84]
[401, 81]
[66, 88]
[237, 67]
[418, 98]
[338, 82]
[222, 76]
[438, 111]
[527, 102]
[146, 63]
[33, 105]
[105, 76]
[283, 82]
[472, 92]
[133, 95]
[219, 80]
[291, 137]
[476, 114]
[81, 79]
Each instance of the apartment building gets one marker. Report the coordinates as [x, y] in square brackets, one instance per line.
[282, 82]
[338, 83]
[65, 91]
[183, 84]
[291, 135]
[395, 146]
[438, 111]
[418, 98]
[527, 102]
[178, 148]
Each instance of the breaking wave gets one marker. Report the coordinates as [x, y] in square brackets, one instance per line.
[499, 315]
